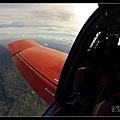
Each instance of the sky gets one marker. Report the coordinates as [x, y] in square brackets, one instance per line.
[41, 20]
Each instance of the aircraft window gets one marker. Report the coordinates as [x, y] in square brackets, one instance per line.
[119, 42]
[93, 42]
[102, 45]
[99, 38]
[94, 39]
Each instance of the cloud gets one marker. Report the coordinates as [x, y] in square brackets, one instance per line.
[43, 17]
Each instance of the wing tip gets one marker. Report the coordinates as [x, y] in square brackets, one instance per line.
[20, 45]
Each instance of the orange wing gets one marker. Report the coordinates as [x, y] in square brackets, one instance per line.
[40, 66]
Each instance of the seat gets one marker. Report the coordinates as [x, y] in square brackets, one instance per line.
[108, 107]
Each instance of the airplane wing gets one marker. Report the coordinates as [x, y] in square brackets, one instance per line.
[40, 66]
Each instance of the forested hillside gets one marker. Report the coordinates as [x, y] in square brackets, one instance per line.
[17, 98]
